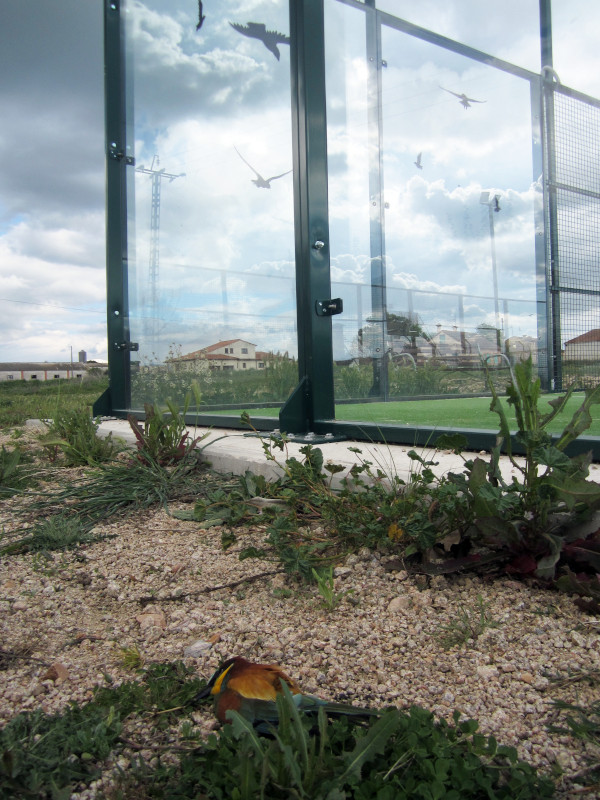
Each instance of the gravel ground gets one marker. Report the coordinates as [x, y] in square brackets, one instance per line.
[156, 586]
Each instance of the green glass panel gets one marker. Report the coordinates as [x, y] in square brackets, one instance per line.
[210, 202]
[433, 203]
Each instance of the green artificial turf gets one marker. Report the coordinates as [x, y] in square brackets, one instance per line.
[459, 412]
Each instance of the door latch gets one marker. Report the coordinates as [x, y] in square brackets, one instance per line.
[327, 308]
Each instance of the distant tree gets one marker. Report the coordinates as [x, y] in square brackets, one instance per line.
[398, 325]
[404, 325]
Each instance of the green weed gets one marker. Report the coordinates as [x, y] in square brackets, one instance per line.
[326, 588]
[584, 724]
[61, 531]
[468, 626]
[48, 756]
[16, 472]
[399, 756]
[163, 438]
[74, 433]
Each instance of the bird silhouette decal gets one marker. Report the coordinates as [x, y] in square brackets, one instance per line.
[257, 30]
[201, 16]
[259, 181]
[252, 690]
[463, 99]
[418, 163]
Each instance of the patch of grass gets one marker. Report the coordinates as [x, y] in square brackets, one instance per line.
[399, 756]
[16, 471]
[119, 488]
[47, 756]
[23, 400]
[75, 434]
[468, 626]
[132, 658]
[584, 724]
[62, 531]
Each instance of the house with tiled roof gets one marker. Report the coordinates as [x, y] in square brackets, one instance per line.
[231, 354]
[584, 348]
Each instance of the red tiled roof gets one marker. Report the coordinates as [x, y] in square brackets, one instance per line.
[212, 347]
[590, 336]
[205, 352]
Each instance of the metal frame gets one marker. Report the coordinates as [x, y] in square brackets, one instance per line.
[117, 397]
[312, 405]
[313, 396]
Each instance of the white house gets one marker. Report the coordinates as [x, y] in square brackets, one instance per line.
[232, 354]
[584, 348]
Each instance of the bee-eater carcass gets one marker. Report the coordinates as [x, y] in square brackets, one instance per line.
[252, 689]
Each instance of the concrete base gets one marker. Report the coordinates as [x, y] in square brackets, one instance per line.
[231, 451]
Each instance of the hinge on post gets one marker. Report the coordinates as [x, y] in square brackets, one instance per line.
[132, 347]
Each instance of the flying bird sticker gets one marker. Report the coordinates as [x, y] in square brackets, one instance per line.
[418, 163]
[201, 16]
[463, 99]
[259, 181]
[257, 30]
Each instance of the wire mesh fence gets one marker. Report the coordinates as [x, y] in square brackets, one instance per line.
[573, 169]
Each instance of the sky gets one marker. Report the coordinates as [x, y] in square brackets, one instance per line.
[52, 262]
[211, 108]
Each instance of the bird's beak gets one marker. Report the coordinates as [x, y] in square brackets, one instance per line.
[203, 693]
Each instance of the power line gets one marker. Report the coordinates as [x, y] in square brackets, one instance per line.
[50, 305]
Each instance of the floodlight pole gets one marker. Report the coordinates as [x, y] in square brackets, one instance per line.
[493, 206]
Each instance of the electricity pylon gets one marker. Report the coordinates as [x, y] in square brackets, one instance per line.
[153, 267]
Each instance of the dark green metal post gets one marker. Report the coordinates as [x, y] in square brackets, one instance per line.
[117, 397]
[550, 199]
[313, 397]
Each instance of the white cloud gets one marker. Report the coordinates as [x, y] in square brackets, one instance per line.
[199, 95]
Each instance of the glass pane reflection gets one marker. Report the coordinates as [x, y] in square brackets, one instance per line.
[451, 141]
[508, 30]
[211, 241]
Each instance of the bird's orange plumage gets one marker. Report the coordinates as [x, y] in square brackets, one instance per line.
[252, 690]
[256, 681]
[243, 679]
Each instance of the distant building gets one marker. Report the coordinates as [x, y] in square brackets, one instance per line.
[232, 354]
[519, 348]
[46, 371]
[462, 348]
[584, 348]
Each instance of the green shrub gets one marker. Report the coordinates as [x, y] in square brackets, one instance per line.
[75, 434]
[16, 471]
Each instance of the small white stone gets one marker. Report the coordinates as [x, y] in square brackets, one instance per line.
[196, 649]
[487, 671]
[400, 603]
[341, 572]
